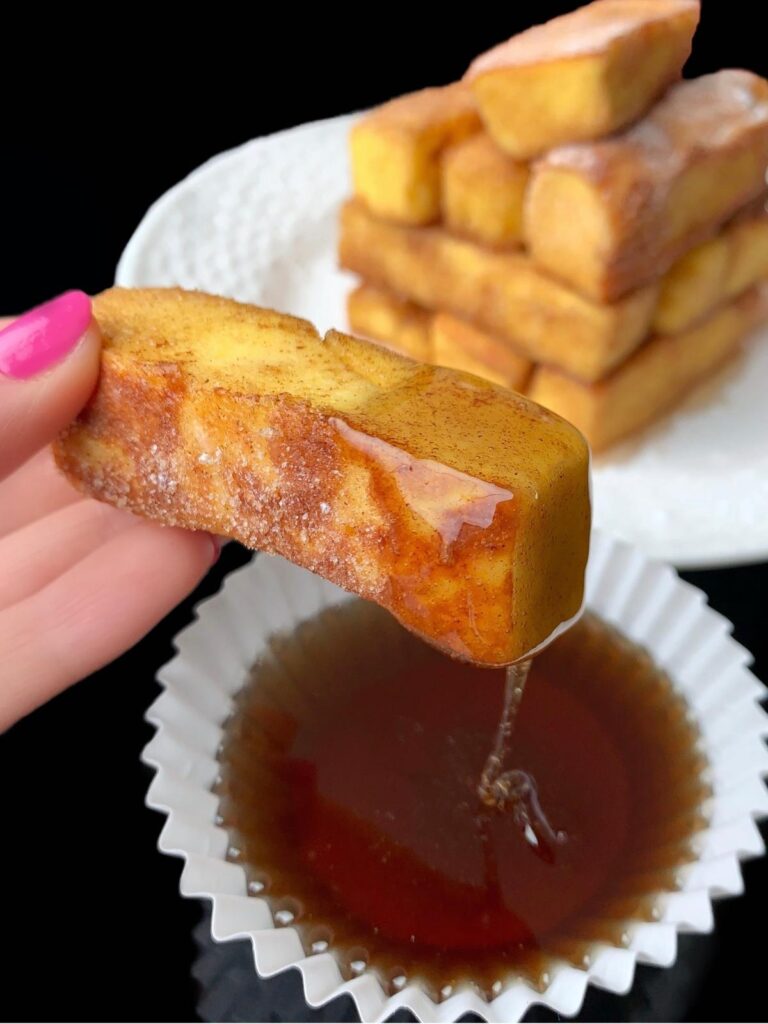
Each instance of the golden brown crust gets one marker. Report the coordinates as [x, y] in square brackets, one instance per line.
[714, 271]
[390, 320]
[712, 113]
[395, 150]
[584, 75]
[659, 375]
[459, 506]
[502, 293]
[462, 346]
[440, 338]
[641, 199]
[482, 192]
[590, 29]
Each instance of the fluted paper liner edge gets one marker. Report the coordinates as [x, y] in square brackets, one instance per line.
[645, 600]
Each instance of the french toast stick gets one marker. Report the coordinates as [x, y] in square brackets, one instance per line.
[713, 272]
[386, 318]
[654, 379]
[582, 75]
[435, 337]
[482, 192]
[606, 217]
[461, 507]
[462, 346]
[395, 151]
[503, 293]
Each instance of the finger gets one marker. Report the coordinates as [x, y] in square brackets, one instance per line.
[49, 362]
[36, 554]
[34, 490]
[95, 611]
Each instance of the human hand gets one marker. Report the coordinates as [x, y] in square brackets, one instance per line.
[80, 582]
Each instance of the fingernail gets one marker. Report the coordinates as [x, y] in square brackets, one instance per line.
[216, 543]
[42, 337]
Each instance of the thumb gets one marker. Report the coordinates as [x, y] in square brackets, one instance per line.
[49, 362]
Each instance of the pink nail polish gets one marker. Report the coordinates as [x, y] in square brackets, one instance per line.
[44, 335]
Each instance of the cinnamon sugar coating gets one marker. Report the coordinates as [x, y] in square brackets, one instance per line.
[658, 376]
[582, 75]
[609, 216]
[461, 507]
[395, 150]
[503, 293]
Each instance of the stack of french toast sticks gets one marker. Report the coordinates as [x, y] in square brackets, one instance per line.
[572, 220]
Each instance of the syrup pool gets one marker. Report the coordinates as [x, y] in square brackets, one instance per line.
[349, 786]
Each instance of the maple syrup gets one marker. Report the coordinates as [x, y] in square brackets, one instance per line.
[349, 787]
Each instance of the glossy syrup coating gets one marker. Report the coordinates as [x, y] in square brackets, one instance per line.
[460, 506]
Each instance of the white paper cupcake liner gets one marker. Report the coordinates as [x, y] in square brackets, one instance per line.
[645, 600]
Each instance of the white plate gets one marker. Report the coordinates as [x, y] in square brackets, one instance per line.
[259, 224]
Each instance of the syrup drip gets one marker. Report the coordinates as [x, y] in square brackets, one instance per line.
[513, 790]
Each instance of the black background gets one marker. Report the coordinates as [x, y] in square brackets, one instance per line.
[99, 119]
